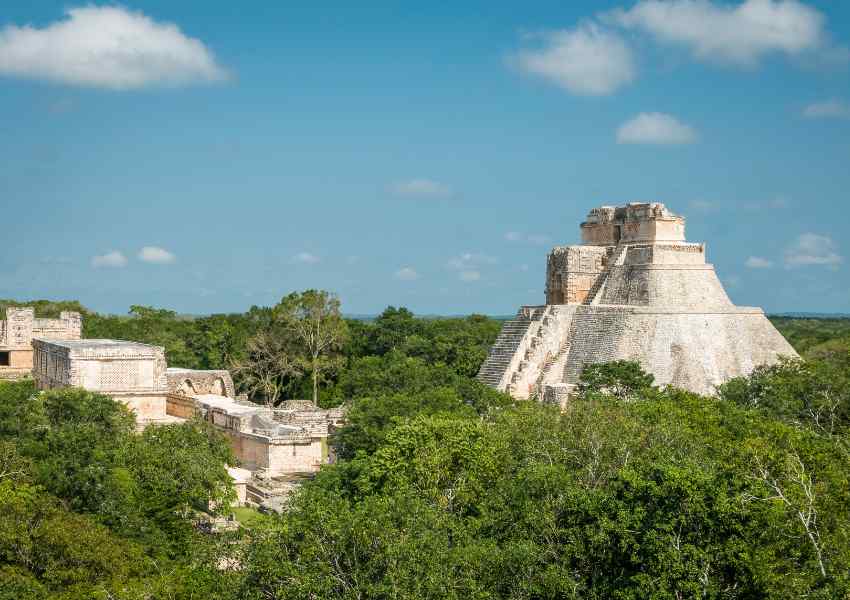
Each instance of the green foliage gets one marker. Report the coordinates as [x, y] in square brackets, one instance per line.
[461, 344]
[178, 470]
[382, 390]
[73, 438]
[622, 379]
[82, 448]
[804, 334]
[815, 394]
[674, 496]
[45, 547]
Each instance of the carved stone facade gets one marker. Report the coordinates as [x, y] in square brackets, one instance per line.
[634, 290]
[18, 331]
[130, 372]
[192, 382]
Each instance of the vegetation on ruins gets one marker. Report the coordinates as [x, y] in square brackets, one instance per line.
[444, 488]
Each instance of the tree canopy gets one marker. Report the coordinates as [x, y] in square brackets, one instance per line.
[442, 488]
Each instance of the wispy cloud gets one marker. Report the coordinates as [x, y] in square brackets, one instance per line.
[107, 47]
[156, 255]
[406, 274]
[470, 264]
[305, 258]
[828, 109]
[702, 205]
[588, 60]
[113, 258]
[777, 203]
[812, 249]
[655, 128]
[532, 238]
[739, 34]
[421, 188]
[757, 262]
[470, 261]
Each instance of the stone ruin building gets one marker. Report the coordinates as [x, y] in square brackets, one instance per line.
[17, 333]
[634, 289]
[276, 448]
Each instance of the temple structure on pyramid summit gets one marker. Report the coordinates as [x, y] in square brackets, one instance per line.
[634, 289]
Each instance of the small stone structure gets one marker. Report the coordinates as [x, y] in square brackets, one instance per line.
[633, 290]
[18, 331]
[130, 372]
[281, 446]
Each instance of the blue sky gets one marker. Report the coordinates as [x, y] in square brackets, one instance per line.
[207, 156]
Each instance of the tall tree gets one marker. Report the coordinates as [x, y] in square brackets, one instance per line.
[270, 364]
[313, 318]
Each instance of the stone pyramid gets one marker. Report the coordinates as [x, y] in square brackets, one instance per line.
[633, 290]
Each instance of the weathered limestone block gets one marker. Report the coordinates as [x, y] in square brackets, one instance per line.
[557, 394]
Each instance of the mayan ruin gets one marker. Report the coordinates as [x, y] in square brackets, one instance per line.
[276, 447]
[19, 329]
[634, 289]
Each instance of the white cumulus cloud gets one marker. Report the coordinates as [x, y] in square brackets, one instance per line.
[113, 258]
[728, 33]
[655, 128]
[812, 249]
[421, 188]
[828, 109]
[406, 274]
[757, 262]
[305, 258]
[107, 47]
[156, 255]
[588, 60]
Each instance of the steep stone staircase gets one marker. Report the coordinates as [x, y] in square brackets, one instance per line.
[616, 258]
[551, 368]
[502, 357]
